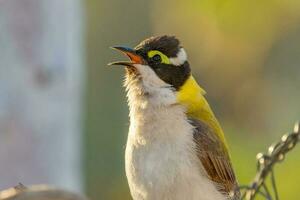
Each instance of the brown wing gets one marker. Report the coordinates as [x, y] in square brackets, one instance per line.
[215, 159]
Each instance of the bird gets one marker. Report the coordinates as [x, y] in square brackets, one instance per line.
[176, 149]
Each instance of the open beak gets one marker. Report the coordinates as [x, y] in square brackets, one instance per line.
[131, 53]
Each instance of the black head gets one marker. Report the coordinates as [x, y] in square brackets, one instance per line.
[168, 45]
[164, 55]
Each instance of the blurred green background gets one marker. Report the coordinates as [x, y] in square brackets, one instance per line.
[246, 54]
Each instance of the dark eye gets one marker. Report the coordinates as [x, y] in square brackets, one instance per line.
[156, 58]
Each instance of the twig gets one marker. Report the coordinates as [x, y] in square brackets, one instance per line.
[38, 192]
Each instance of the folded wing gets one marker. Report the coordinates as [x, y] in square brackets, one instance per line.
[215, 159]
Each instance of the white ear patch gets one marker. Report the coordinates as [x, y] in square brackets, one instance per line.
[180, 58]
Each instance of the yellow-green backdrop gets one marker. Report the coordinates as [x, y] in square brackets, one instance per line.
[246, 54]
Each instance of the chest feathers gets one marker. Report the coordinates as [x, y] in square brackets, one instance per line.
[161, 160]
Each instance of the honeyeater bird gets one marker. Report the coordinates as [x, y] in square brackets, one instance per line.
[176, 148]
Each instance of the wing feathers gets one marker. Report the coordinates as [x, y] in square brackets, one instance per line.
[215, 159]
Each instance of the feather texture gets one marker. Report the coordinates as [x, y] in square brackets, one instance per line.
[210, 141]
[215, 159]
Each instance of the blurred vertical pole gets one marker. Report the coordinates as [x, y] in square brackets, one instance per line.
[41, 83]
[114, 22]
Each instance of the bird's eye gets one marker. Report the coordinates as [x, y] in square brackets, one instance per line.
[156, 58]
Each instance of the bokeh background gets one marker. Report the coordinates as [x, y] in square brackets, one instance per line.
[63, 112]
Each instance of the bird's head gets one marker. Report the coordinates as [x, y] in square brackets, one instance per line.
[158, 68]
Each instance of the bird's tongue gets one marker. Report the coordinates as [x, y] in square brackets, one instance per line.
[134, 58]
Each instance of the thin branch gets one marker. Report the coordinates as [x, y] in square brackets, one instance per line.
[274, 185]
[268, 194]
[38, 192]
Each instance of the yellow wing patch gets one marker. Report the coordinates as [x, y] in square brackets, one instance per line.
[192, 96]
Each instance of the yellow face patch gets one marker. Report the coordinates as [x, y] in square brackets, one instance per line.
[164, 58]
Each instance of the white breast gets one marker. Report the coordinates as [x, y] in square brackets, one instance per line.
[161, 162]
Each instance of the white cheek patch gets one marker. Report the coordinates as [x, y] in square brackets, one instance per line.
[160, 91]
[149, 77]
[180, 58]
